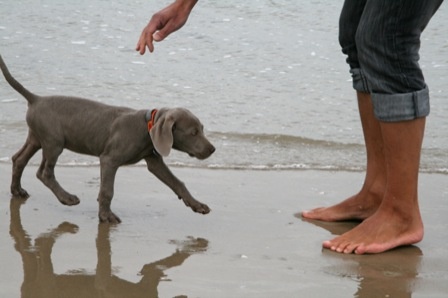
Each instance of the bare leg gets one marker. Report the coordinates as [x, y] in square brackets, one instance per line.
[366, 201]
[397, 221]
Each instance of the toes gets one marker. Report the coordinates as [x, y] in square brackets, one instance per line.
[352, 248]
[327, 244]
[342, 246]
[360, 250]
[336, 245]
[311, 214]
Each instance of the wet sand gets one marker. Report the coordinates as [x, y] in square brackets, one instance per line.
[250, 245]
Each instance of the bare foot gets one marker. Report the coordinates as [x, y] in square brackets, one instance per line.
[357, 207]
[384, 230]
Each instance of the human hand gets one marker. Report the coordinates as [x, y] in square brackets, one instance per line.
[163, 23]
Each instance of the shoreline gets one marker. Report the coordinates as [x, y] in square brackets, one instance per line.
[217, 167]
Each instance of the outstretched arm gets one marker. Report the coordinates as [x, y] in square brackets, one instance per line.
[163, 23]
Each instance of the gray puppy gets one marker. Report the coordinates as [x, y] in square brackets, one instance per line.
[117, 135]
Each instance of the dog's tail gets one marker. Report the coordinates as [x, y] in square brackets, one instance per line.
[30, 97]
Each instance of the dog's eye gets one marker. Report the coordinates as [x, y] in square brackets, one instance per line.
[195, 132]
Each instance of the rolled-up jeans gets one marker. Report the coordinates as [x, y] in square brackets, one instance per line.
[381, 39]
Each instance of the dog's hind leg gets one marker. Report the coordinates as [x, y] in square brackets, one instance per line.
[19, 162]
[45, 173]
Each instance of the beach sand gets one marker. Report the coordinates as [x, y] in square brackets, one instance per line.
[250, 245]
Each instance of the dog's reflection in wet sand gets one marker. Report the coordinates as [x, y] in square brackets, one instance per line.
[40, 281]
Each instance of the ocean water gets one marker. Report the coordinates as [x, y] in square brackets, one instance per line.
[266, 78]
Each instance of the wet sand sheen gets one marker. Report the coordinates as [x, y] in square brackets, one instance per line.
[250, 245]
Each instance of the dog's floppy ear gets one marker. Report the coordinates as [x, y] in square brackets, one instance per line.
[162, 132]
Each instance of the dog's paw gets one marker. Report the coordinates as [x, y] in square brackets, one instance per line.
[20, 193]
[69, 200]
[109, 217]
[201, 208]
[196, 206]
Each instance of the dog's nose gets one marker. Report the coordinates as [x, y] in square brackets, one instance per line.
[212, 149]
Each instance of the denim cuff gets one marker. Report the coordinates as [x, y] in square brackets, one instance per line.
[401, 107]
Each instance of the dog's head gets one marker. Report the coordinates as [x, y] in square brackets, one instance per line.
[179, 129]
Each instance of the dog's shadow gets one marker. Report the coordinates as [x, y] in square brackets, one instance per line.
[41, 281]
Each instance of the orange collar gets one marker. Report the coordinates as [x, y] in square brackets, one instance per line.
[151, 119]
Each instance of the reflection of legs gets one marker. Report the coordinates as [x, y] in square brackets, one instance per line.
[397, 221]
[44, 246]
[39, 279]
[364, 203]
[103, 274]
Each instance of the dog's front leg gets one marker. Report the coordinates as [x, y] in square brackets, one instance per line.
[108, 171]
[157, 166]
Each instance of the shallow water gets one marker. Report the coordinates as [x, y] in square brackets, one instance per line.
[266, 78]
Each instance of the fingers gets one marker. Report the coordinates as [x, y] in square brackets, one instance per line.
[142, 44]
[146, 40]
[163, 23]
[150, 35]
[147, 36]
